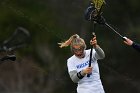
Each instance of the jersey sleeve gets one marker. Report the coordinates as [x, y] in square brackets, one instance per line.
[70, 65]
[136, 46]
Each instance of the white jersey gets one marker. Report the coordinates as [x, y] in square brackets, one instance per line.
[90, 84]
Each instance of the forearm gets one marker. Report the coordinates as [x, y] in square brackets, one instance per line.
[75, 77]
[99, 53]
[136, 46]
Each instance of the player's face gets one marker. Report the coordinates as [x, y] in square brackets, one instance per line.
[78, 51]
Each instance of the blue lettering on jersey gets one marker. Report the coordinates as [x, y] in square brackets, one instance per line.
[82, 65]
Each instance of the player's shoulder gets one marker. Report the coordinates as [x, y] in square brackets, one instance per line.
[70, 58]
[88, 51]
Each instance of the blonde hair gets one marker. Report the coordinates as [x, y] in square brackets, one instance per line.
[73, 40]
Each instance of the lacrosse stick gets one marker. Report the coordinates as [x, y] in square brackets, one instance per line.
[91, 14]
[20, 38]
[97, 15]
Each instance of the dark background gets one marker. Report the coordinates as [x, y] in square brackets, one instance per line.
[41, 67]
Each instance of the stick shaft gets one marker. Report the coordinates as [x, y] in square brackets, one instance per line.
[106, 24]
[88, 75]
[93, 25]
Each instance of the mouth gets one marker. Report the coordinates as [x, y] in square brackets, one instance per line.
[80, 55]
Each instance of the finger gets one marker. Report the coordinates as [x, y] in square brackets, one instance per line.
[94, 38]
[94, 42]
[91, 42]
[125, 42]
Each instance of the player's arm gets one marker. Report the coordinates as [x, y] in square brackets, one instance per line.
[99, 53]
[76, 76]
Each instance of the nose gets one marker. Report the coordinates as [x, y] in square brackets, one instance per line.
[78, 52]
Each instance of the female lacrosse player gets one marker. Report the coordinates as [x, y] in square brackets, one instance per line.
[132, 43]
[78, 65]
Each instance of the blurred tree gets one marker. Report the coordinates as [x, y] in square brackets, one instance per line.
[41, 67]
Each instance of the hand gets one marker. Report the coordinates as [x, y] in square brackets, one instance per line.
[128, 41]
[87, 70]
[93, 42]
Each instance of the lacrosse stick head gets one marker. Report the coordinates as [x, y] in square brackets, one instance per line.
[20, 38]
[8, 57]
[93, 12]
[90, 11]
